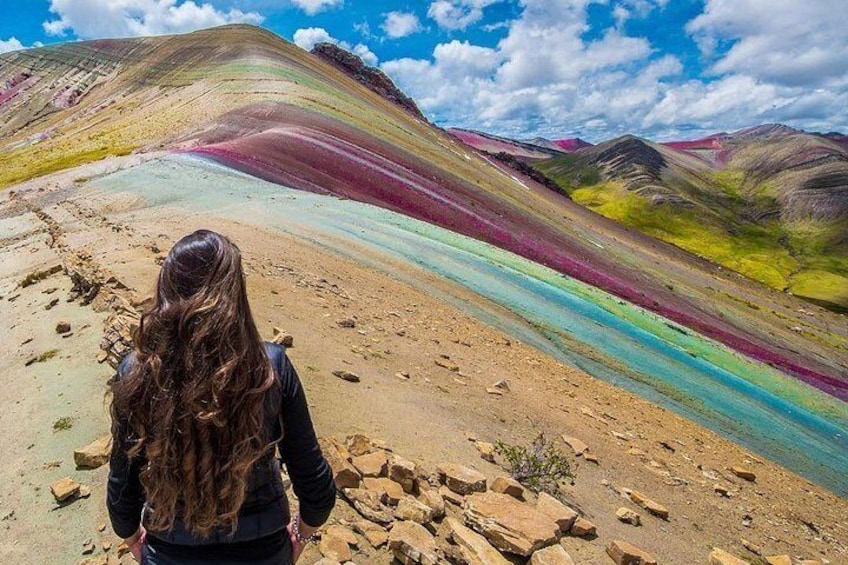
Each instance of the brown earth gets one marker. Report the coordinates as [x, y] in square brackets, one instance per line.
[305, 290]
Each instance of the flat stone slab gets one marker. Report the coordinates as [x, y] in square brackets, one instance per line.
[508, 524]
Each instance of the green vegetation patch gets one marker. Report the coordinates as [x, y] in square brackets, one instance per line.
[63, 424]
[540, 467]
[47, 355]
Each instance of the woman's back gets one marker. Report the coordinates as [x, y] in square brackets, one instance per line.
[198, 409]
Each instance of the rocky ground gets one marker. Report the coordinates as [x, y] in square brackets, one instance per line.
[426, 375]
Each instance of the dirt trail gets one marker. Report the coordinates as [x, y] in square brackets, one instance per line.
[306, 290]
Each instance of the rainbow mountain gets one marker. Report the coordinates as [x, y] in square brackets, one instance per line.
[194, 119]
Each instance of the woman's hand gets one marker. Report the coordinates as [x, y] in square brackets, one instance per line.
[135, 543]
[297, 547]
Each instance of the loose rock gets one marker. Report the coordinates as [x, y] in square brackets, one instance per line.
[434, 501]
[390, 492]
[628, 516]
[372, 464]
[64, 489]
[368, 504]
[333, 547]
[553, 555]
[411, 509]
[348, 376]
[624, 553]
[462, 480]
[743, 473]
[508, 524]
[450, 496]
[556, 511]
[583, 528]
[721, 557]
[344, 474]
[508, 485]
[411, 543]
[486, 449]
[779, 560]
[651, 506]
[63, 327]
[473, 547]
[577, 445]
[347, 323]
[95, 454]
[402, 472]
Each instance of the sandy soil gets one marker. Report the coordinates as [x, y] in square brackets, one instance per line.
[305, 290]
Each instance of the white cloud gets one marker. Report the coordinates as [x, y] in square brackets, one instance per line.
[11, 44]
[545, 77]
[453, 15]
[307, 38]
[401, 24]
[312, 7]
[89, 19]
[789, 42]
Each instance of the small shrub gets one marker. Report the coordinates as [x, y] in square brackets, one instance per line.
[541, 467]
[62, 424]
[47, 355]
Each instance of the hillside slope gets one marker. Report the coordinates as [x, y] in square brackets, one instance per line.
[769, 202]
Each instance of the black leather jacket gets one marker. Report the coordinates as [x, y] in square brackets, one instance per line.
[266, 509]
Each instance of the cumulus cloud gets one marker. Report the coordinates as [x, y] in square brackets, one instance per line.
[401, 24]
[312, 7]
[789, 42]
[11, 44]
[89, 19]
[545, 77]
[307, 38]
[454, 15]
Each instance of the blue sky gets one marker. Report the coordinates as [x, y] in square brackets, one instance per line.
[559, 68]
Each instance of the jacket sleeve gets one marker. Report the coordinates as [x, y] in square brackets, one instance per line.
[124, 493]
[311, 476]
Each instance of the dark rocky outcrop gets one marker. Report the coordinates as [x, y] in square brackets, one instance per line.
[371, 77]
[529, 171]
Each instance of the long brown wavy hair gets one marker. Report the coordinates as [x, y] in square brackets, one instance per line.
[192, 402]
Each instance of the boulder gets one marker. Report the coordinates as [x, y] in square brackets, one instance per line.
[553, 555]
[402, 472]
[508, 485]
[461, 480]
[390, 492]
[508, 524]
[624, 553]
[651, 506]
[344, 474]
[721, 557]
[63, 489]
[743, 473]
[473, 547]
[63, 327]
[583, 528]
[556, 511]
[372, 464]
[434, 502]
[628, 516]
[367, 503]
[577, 445]
[411, 509]
[95, 454]
[412, 543]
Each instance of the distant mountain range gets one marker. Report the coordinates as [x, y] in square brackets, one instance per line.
[770, 201]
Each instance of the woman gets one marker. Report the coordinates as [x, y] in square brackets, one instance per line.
[198, 409]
